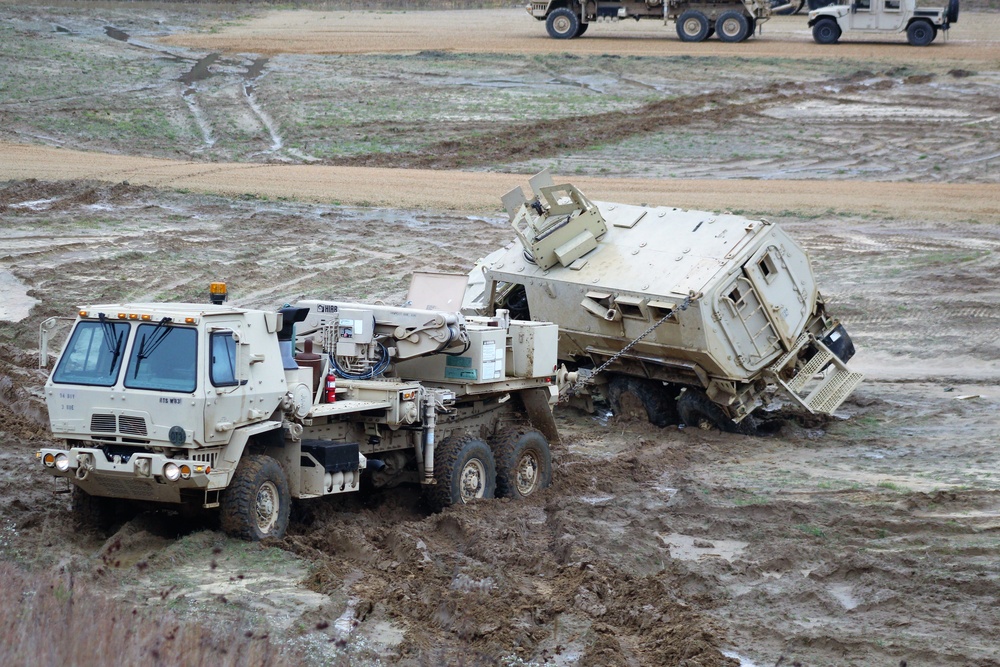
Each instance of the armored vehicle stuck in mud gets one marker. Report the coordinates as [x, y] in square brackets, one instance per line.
[678, 316]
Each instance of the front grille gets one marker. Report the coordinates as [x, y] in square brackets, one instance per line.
[132, 425]
[102, 423]
[208, 457]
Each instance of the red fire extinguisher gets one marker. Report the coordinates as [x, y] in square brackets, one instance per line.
[331, 388]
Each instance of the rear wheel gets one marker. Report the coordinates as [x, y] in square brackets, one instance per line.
[524, 463]
[257, 503]
[582, 29]
[562, 23]
[639, 398]
[826, 31]
[753, 27]
[465, 470]
[920, 33]
[692, 26]
[695, 409]
[732, 27]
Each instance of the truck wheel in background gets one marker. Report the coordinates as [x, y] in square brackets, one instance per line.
[582, 29]
[826, 31]
[257, 503]
[93, 512]
[562, 23]
[952, 14]
[639, 398]
[696, 409]
[524, 463]
[692, 26]
[465, 470]
[920, 33]
[753, 28]
[732, 27]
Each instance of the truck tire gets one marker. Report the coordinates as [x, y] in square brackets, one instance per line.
[826, 31]
[582, 29]
[464, 469]
[562, 23]
[753, 28]
[524, 463]
[732, 27]
[920, 33]
[692, 26]
[639, 398]
[257, 503]
[696, 409]
[952, 14]
[92, 512]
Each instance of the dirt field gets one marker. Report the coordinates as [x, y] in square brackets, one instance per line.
[867, 539]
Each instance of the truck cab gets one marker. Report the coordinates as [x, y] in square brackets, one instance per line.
[921, 25]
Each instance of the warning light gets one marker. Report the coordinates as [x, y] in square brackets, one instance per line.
[217, 293]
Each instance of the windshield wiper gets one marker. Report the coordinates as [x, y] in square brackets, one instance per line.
[109, 334]
[154, 340]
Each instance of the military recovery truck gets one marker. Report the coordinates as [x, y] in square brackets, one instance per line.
[921, 24]
[212, 406]
[696, 20]
[678, 316]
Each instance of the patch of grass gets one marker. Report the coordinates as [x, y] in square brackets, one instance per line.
[814, 531]
[892, 486]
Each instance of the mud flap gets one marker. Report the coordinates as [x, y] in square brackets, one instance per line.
[823, 383]
[536, 404]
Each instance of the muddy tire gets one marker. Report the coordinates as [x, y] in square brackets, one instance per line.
[692, 26]
[826, 31]
[524, 463]
[257, 503]
[732, 27]
[639, 398]
[92, 512]
[465, 470]
[562, 23]
[920, 33]
[695, 409]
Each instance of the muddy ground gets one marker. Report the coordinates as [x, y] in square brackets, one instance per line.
[866, 539]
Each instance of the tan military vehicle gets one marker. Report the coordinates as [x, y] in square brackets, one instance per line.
[194, 406]
[681, 316]
[696, 20]
[921, 24]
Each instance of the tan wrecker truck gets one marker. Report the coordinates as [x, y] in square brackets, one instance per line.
[696, 20]
[195, 406]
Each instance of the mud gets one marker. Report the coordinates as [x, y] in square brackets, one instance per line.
[865, 539]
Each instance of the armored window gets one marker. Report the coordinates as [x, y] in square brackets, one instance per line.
[863, 5]
[163, 359]
[892, 5]
[767, 268]
[93, 355]
[222, 372]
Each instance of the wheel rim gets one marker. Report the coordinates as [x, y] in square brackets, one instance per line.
[472, 482]
[526, 476]
[731, 28]
[266, 507]
[561, 25]
[692, 27]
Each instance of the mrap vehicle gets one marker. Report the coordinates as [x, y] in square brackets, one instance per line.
[212, 406]
[679, 316]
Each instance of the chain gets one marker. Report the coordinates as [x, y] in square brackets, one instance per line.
[613, 358]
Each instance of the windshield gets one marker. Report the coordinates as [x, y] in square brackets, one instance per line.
[163, 358]
[93, 355]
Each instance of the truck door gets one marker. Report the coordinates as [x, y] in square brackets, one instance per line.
[784, 300]
[748, 328]
[864, 14]
[891, 16]
[225, 390]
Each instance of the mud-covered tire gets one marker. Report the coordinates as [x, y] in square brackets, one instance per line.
[562, 23]
[639, 398]
[952, 14]
[524, 463]
[692, 26]
[732, 27]
[920, 33]
[826, 31]
[464, 469]
[257, 503]
[695, 409]
[92, 512]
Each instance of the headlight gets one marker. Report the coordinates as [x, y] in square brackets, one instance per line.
[62, 462]
[185, 471]
[49, 460]
[172, 472]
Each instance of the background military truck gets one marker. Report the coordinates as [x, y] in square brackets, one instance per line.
[696, 20]
[921, 24]
[213, 406]
[685, 316]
